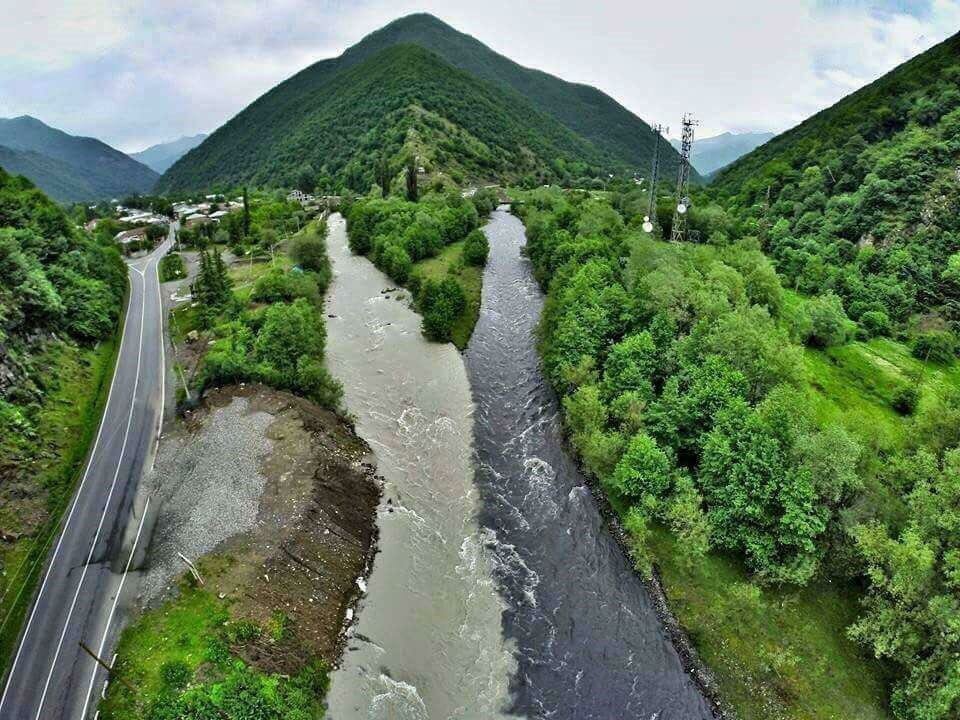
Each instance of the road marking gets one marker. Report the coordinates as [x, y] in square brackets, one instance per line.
[103, 515]
[136, 540]
[113, 609]
[73, 507]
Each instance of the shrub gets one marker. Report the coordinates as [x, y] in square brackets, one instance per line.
[277, 285]
[476, 248]
[171, 267]
[309, 251]
[939, 346]
[442, 303]
[829, 324]
[905, 399]
[875, 323]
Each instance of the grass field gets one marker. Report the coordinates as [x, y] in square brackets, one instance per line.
[775, 653]
[77, 382]
[450, 262]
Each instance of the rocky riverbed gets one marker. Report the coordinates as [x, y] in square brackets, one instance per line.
[279, 497]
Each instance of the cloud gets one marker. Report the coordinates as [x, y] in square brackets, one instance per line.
[47, 34]
[139, 73]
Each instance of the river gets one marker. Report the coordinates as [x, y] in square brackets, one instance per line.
[497, 591]
[428, 642]
[589, 643]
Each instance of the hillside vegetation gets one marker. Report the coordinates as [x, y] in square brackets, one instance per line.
[582, 108]
[66, 167]
[419, 84]
[405, 99]
[783, 476]
[863, 200]
[60, 298]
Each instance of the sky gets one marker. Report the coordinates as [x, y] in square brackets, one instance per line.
[135, 73]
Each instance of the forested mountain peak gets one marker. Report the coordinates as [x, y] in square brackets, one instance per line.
[338, 125]
[554, 128]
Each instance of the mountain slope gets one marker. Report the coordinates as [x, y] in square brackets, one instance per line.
[59, 180]
[712, 153]
[161, 156]
[339, 123]
[582, 108]
[96, 169]
[610, 136]
[863, 199]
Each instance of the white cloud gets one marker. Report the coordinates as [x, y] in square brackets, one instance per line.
[139, 74]
[47, 34]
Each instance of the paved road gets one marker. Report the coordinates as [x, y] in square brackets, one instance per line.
[51, 677]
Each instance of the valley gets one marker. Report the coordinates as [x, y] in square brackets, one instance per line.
[432, 385]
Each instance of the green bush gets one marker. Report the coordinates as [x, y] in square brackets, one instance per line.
[171, 267]
[476, 248]
[278, 285]
[829, 324]
[309, 251]
[939, 346]
[441, 303]
[905, 399]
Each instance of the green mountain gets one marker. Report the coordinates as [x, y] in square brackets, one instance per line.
[68, 167]
[863, 198]
[58, 179]
[418, 82]
[161, 156]
[713, 153]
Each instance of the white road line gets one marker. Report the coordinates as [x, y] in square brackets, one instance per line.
[113, 609]
[73, 507]
[103, 515]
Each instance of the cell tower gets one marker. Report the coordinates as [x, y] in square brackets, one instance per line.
[650, 221]
[679, 230]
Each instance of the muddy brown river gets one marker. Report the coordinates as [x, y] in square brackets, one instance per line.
[428, 641]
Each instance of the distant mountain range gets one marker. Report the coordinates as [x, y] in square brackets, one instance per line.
[712, 153]
[418, 85]
[161, 156]
[66, 167]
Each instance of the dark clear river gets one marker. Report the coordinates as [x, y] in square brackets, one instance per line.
[586, 639]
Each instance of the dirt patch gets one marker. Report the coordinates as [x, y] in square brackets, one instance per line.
[293, 569]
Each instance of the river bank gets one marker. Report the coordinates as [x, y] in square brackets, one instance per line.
[274, 500]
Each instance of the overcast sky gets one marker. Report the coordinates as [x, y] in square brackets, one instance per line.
[135, 73]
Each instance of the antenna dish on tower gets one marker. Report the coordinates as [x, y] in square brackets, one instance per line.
[679, 230]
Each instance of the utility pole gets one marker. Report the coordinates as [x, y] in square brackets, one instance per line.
[679, 230]
[650, 221]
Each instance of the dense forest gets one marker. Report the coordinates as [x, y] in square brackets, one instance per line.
[692, 391]
[863, 200]
[405, 98]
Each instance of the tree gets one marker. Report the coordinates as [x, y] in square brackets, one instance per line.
[476, 248]
[306, 178]
[290, 332]
[643, 474]
[412, 194]
[246, 213]
[442, 304]
[828, 323]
